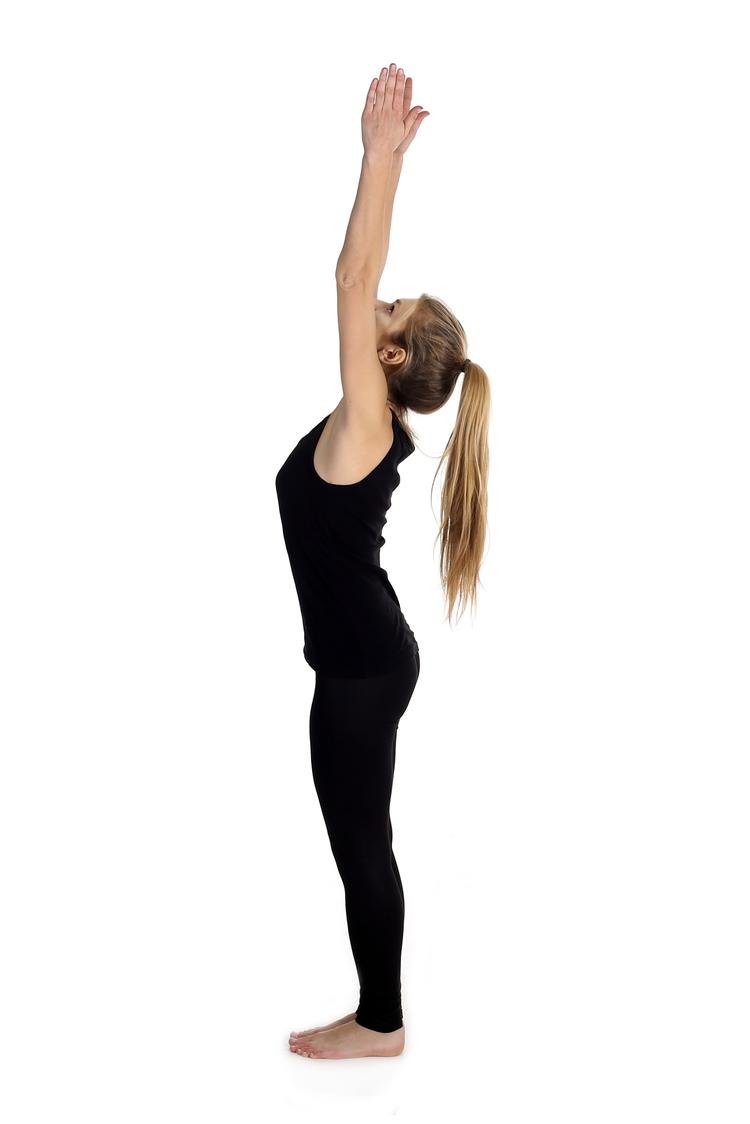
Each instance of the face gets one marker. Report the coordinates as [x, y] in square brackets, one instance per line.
[390, 319]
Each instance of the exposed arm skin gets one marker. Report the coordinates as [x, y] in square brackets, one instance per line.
[396, 164]
[389, 124]
[390, 194]
[362, 421]
[366, 242]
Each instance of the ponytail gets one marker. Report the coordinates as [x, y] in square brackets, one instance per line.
[463, 508]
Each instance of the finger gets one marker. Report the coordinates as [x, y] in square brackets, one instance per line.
[412, 130]
[390, 86]
[412, 116]
[370, 99]
[407, 95]
[398, 93]
[380, 92]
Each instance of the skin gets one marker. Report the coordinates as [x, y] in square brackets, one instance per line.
[390, 320]
[342, 456]
[389, 125]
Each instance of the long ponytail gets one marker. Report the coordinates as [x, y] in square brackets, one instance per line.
[463, 507]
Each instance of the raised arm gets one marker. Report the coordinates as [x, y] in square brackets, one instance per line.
[365, 245]
[390, 195]
[413, 120]
[388, 126]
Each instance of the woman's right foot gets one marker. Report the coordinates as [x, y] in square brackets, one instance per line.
[297, 1034]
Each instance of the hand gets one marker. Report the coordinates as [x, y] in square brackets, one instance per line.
[388, 124]
[415, 121]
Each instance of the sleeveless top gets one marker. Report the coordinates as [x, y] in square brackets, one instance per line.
[352, 620]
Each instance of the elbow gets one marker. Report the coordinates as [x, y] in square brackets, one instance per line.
[347, 280]
[352, 278]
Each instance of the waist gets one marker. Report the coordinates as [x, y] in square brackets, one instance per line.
[350, 669]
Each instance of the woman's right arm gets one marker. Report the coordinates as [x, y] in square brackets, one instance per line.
[363, 252]
[386, 124]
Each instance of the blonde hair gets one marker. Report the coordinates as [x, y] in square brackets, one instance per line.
[435, 345]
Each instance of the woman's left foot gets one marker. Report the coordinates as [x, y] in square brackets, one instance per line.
[350, 1040]
[324, 1026]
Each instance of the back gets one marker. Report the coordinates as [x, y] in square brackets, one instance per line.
[352, 621]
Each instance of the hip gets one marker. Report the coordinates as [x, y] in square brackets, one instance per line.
[370, 699]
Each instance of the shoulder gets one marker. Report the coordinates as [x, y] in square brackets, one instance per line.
[363, 419]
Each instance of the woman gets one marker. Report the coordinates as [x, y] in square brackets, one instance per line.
[334, 490]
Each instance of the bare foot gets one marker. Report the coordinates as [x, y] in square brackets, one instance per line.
[350, 1040]
[327, 1026]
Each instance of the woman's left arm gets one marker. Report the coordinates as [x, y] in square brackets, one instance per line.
[389, 125]
[397, 163]
[390, 195]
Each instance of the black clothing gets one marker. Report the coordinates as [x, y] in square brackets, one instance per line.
[352, 621]
[366, 662]
[353, 727]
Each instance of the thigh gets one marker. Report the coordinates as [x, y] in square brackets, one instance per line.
[353, 725]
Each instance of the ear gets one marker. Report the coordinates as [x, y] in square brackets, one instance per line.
[392, 354]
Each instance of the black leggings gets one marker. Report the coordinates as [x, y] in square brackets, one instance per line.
[353, 726]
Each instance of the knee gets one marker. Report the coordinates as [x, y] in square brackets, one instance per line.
[366, 861]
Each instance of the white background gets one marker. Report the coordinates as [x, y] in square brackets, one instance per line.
[571, 803]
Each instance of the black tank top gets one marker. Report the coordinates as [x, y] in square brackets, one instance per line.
[352, 620]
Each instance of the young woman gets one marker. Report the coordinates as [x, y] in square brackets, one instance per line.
[334, 490]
